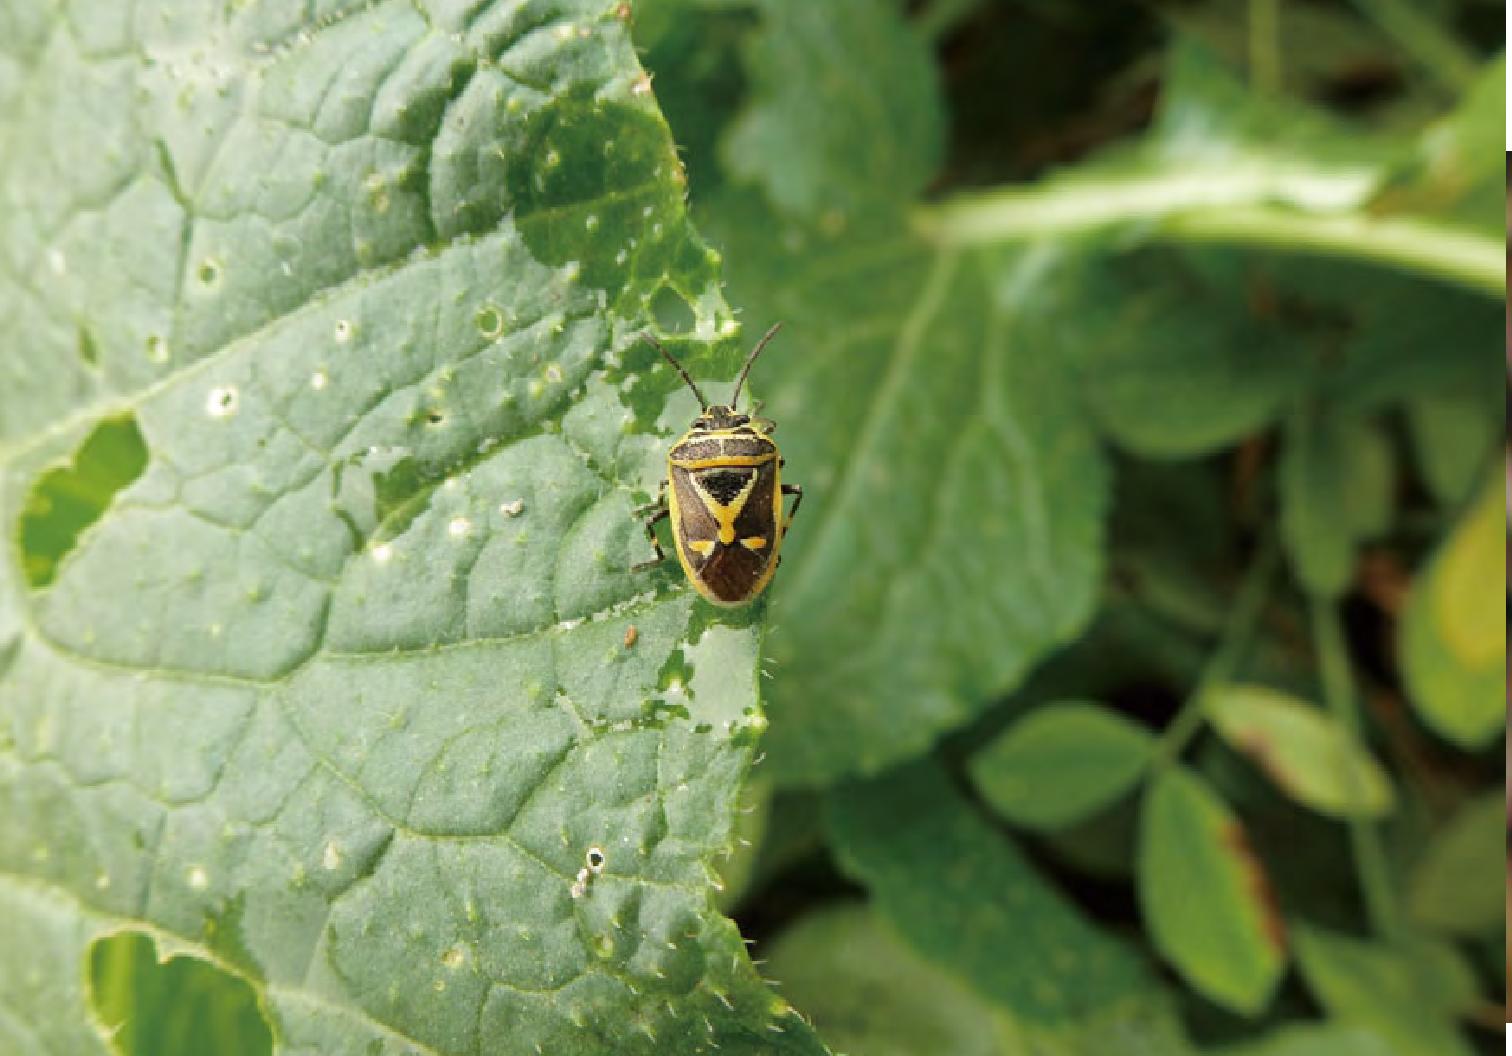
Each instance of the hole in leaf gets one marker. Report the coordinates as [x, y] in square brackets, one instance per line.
[180, 1007]
[672, 313]
[67, 500]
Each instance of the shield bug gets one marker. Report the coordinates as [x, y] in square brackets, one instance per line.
[724, 495]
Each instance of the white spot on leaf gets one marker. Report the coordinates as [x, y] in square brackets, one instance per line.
[222, 402]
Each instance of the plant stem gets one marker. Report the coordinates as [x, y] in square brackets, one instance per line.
[1413, 245]
[1254, 201]
[1265, 45]
[1339, 694]
[1416, 33]
[1233, 643]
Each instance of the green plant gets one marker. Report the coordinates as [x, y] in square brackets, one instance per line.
[1134, 658]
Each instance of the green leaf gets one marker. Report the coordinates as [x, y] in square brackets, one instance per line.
[904, 376]
[1453, 649]
[867, 992]
[1174, 357]
[1304, 751]
[964, 897]
[1206, 899]
[1061, 763]
[824, 125]
[1399, 994]
[1459, 884]
[915, 381]
[328, 681]
[1337, 489]
[1454, 437]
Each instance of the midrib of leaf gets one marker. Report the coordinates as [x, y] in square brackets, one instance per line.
[991, 420]
[1248, 200]
[905, 350]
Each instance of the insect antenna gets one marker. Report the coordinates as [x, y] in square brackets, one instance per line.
[702, 403]
[735, 397]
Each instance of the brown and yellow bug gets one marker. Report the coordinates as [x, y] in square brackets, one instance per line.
[724, 494]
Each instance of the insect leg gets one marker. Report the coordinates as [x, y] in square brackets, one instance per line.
[793, 489]
[660, 513]
[658, 503]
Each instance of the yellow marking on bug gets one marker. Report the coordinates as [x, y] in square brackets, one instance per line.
[721, 461]
[724, 514]
[701, 547]
[754, 542]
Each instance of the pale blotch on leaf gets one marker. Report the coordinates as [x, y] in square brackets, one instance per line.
[459, 527]
[319, 380]
[197, 878]
[332, 856]
[454, 957]
[383, 553]
[513, 508]
[344, 331]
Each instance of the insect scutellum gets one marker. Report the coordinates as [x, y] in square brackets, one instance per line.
[723, 494]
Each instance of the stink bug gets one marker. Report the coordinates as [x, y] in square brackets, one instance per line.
[724, 493]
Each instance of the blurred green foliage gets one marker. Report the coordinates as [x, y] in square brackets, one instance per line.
[1187, 286]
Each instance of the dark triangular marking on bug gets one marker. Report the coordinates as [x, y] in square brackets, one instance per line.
[724, 485]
